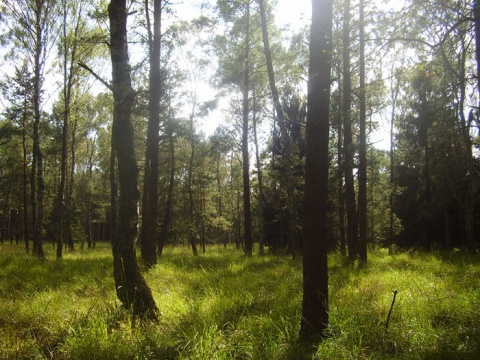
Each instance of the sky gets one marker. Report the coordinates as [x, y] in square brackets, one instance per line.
[295, 14]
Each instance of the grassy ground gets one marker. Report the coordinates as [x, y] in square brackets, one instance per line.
[224, 306]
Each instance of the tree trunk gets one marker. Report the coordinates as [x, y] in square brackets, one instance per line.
[150, 186]
[315, 271]
[261, 195]
[340, 189]
[26, 234]
[352, 228]
[171, 185]
[132, 290]
[37, 170]
[245, 157]
[362, 170]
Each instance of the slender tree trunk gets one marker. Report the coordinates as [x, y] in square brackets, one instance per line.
[261, 195]
[340, 189]
[362, 170]
[315, 271]
[26, 234]
[191, 203]
[132, 290]
[245, 156]
[352, 228]
[171, 185]
[150, 186]
[37, 170]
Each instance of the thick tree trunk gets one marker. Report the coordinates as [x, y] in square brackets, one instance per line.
[315, 271]
[245, 157]
[150, 186]
[132, 290]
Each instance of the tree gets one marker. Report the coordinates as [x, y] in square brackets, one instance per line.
[362, 170]
[315, 271]
[348, 147]
[131, 287]
[150, 186]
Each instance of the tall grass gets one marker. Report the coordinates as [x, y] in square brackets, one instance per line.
[222, 305]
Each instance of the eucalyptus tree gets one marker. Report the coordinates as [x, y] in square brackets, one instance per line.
[150, 186]
[315, 271]
[131, 287]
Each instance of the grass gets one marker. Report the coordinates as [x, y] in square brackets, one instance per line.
[222, 305]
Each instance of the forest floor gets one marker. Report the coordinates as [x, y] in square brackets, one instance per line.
[222, 305]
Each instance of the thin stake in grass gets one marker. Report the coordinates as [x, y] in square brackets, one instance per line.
[391, 308]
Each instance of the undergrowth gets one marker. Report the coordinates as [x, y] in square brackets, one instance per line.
[222, 305]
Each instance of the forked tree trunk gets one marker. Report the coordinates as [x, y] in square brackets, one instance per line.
[315, 271]
[132, 290]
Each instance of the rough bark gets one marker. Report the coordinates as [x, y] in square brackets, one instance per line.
[315, 271]
[132, 290]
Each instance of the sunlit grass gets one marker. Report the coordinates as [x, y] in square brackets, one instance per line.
[222, 305]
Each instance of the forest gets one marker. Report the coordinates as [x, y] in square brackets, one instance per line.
[195, 180]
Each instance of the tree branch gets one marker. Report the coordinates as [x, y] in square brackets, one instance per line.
[104, 82]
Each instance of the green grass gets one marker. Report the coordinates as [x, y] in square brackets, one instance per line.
[222, 305]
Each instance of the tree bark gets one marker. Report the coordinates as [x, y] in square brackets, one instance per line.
[132, 290]
[150, 186]
[315, 271]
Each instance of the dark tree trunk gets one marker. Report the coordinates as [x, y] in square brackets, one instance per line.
[362, 170]
[315, 271]
[150, 186]
[132, 290]
[245, 157]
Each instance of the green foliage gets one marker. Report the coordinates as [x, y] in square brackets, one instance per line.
[224, 306]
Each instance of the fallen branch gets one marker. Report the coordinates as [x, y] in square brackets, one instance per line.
[391, 308]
